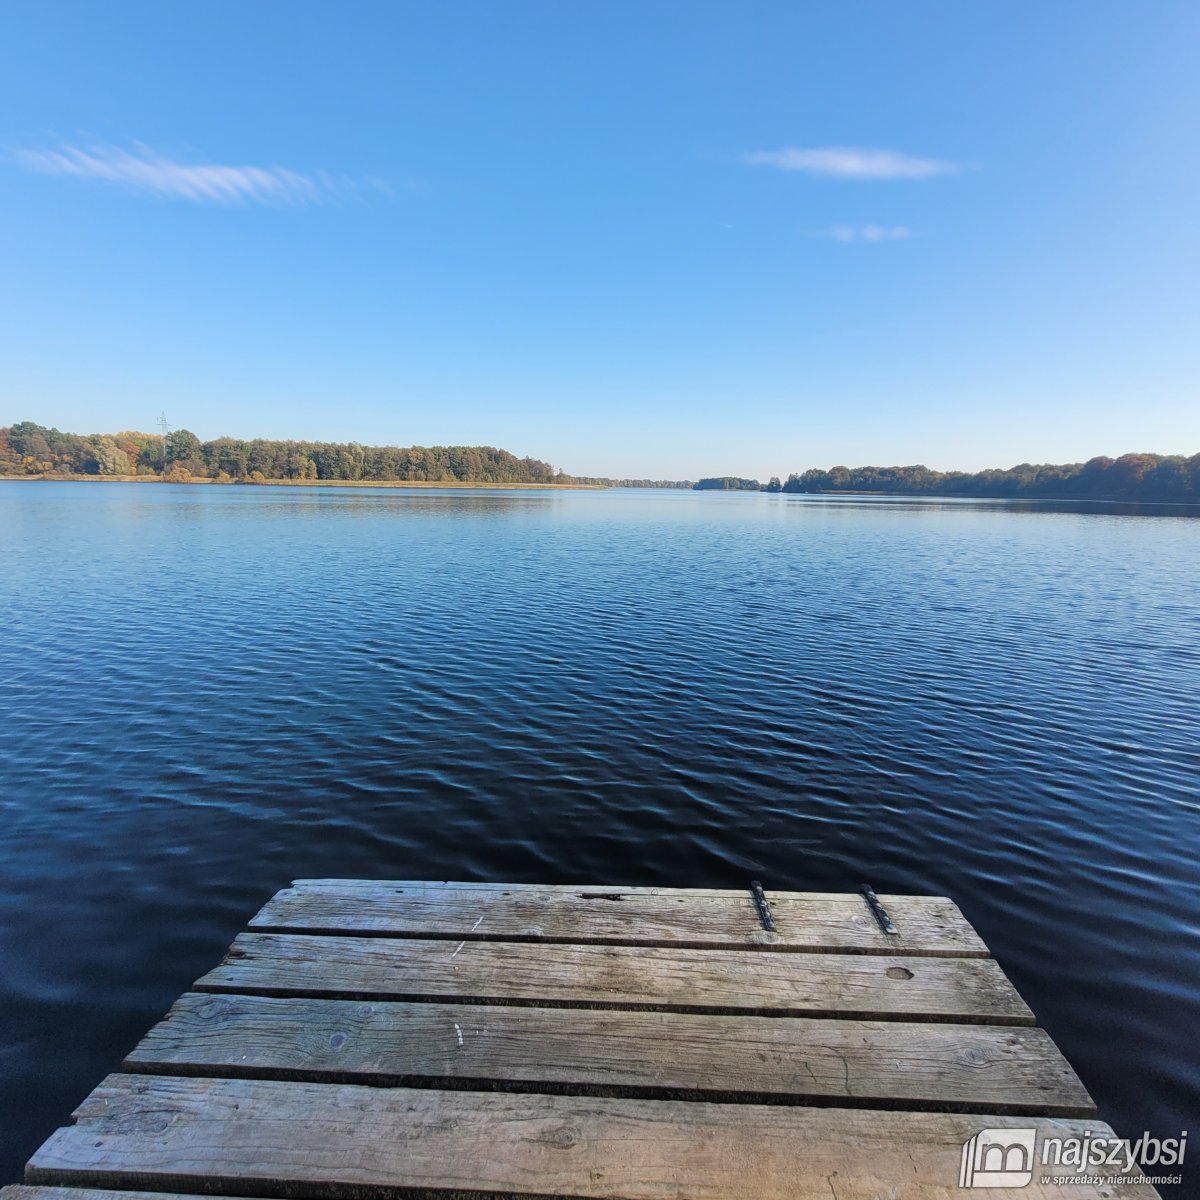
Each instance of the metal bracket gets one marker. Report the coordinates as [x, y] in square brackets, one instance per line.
[764, 909]
[885, 922]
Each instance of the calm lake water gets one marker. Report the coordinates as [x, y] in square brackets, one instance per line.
[208, 692]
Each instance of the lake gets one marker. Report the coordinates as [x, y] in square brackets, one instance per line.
[210, 691]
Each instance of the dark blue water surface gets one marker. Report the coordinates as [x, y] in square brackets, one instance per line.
[210, 691]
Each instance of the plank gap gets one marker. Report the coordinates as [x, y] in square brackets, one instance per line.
[525, 1087]
[633, 942]
[209, 1185]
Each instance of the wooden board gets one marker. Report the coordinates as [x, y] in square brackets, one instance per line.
[870, 987]
[345, 1142]
[978, 1068]
[685, 917]
[391, 1041]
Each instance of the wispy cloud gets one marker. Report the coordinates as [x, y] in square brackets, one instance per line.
[868, 233]
[850, 162]
[143, 170]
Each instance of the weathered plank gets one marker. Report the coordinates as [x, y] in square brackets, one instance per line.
[687, 917]
[981, 1068]
[345, 1142]
[870, 987]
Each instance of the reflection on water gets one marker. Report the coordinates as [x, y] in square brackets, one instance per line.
[930, 504]
[211, 691]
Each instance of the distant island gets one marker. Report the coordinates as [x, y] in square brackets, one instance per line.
[28, 450]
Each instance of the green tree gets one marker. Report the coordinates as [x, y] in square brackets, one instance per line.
[107, 458]
[183, 447]
[30, 441]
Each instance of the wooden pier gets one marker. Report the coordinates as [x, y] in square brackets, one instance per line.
[388, 1040]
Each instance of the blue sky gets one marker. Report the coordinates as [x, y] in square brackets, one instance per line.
[631, 238]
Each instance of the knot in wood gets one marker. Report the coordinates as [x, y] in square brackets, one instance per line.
[564, 1137]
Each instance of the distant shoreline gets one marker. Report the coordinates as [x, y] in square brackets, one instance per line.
[452, 484]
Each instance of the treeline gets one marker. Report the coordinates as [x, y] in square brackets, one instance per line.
[29, 449]
[1164, 477]
[728, 483]
[604, 481]
[1130, 477]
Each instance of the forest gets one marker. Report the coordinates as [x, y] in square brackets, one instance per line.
[1130, 477]
[727, 483]
[29, 449]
